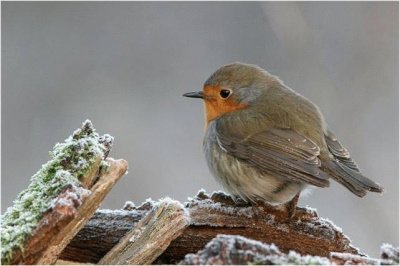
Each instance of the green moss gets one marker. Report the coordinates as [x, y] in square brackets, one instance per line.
[104, 167]
[69, 162]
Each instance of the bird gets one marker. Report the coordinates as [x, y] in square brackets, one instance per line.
[265, 142]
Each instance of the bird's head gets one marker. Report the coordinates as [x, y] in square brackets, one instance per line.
[233, 87]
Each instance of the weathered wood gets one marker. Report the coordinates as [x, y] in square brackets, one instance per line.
[306, 233]
[237, 250]
[351, 259]
[95, 239]
[73, 207]
[90, 178]
[150, 236]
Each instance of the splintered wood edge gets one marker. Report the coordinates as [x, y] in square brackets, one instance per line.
[151, 236]
[57, 228]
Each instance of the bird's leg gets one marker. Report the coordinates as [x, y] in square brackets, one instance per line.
[291, 206]
[261, 207]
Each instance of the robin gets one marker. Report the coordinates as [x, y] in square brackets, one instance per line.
[266, 142]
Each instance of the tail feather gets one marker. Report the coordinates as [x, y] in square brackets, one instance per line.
[352, 180]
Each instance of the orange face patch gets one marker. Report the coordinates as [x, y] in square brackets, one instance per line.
[216, 106]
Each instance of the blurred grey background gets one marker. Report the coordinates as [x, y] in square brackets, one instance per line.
[125, 65]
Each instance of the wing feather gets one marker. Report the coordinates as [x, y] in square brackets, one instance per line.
[343, 169]
[340, 152]
[279, 152]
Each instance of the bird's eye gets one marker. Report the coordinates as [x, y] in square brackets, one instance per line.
[225, 93]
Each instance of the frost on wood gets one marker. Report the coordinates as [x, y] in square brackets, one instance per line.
[58, 231]
[389, 256]
[388, 252]
[103, 231]
[307, 239]
[305, 233]
[237, 250]
[55, 192]
[210, 215]
[150, 236]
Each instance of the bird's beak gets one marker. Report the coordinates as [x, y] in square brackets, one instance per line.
[195, 94]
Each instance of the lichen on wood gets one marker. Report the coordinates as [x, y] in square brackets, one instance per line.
[73, 168]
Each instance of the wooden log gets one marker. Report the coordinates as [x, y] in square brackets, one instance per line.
[237, 250]
[95, 239]
[306, 233]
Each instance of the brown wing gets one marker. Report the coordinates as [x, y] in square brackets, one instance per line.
[344, 170]
[279, 152]
[340, 152]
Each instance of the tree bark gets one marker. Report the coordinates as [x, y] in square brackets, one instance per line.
[73, 207]
[209, 216]
[237, 250]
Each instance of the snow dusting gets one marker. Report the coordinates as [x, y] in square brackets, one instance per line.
[70, 161]
[234, 249]
[311, 210]
[329, 223]
[129, 205]
[348, 258]
[389, 252]
[114, 212]
[217, 206]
